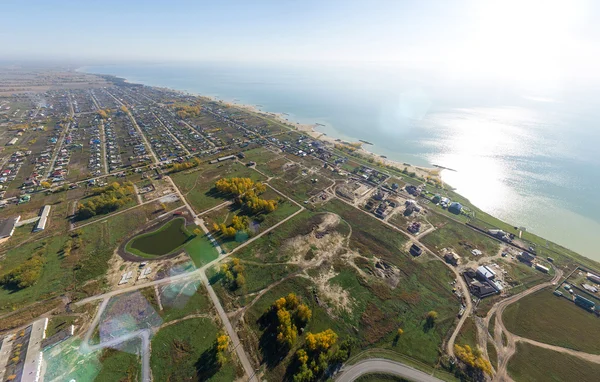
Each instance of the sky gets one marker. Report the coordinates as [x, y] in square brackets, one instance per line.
[530, 38]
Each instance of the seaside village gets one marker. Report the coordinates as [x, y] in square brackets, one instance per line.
[131, 142]
[87, 142]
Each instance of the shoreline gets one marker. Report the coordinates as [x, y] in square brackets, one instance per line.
[311, 130]
[435, 171]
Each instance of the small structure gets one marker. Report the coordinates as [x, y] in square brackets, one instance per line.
[452, 258]
[415, 250]
[594, 278]
[486, 272]
[7, 227]
[526, 257]
[542, 268]
[479, 285]
[585, 303]
[41, 224]
[590, 288]
[455, 208]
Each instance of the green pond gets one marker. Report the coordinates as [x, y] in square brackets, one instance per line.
[162, 241]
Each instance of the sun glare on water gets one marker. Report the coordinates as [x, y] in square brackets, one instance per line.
[525, 41]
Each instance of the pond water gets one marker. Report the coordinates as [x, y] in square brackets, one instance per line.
[162, 241]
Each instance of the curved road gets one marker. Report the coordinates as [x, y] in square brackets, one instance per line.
[380, 365]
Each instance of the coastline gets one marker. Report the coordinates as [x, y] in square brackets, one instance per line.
[312, 130]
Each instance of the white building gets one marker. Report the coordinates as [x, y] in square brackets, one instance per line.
[41, 224]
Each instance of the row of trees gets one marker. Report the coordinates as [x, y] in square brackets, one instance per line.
[27, 273]
[222, 345]
[106, 199]
[187, 111]
[246, 191]
[233, 274]
[176, 167]
[103, 113]
[237, 224]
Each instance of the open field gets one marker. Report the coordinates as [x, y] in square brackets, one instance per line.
[554, 320]
[201, 250]
[348, 297]
[531, 362]
[186, 351]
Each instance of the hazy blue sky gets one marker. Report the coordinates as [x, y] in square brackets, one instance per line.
[529, 37]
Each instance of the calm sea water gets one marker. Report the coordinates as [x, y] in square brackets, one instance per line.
[528, 157]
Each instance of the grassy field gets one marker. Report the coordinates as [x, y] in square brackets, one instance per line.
[185, 352]
[53, 278]
[531, 363]
[550, 319]
[462, 239]
[183, 299]
[468, 334]
[118, 366]
[375, 310]
[201, 250]
[58, 323]
[198, 185]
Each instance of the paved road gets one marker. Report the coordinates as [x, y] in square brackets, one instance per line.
[379, 365]
[235, 340]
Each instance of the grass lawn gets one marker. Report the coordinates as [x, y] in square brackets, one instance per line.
[65, 362]
[300, 187]
[531, 363]
[59, 323]
[492, 354]
[201, 250]
[185, 351]
[118, 366]
[375, 310]
[183, 299]
[462, 239]
[544, 317]
[259, 155]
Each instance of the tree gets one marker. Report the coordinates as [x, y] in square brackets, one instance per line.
[473, 358]
[197, 231]
[303, 314]
[399, 333]
[431, 318]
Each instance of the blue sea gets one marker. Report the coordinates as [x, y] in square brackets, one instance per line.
[525, 155]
